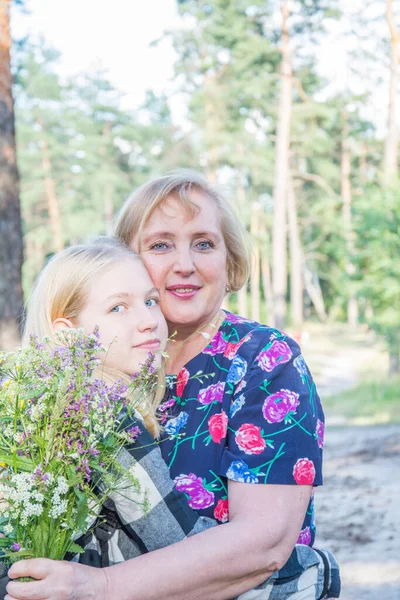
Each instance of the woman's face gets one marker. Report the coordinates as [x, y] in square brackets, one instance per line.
[187, 261]
[124, 305]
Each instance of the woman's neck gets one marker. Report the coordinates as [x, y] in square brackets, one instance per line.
[189, 341]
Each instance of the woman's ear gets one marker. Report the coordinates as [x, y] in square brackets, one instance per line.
[61, 323]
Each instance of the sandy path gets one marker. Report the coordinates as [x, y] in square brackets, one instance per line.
[358, 509]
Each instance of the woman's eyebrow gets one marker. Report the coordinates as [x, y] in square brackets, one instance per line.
[154, 234]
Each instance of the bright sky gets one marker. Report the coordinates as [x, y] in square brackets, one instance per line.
[117, 35]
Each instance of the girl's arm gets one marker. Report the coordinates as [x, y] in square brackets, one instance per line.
[218, 564]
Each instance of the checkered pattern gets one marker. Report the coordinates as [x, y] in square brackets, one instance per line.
[128, 532]
[124, 532]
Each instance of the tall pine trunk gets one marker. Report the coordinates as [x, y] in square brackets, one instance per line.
[241, 201]
[51, 195]
[279, 266]
[390, 166]
[255, 271]
[391, 142]
[296, 260]
[11, 243]
[346, 193]
[266, 271]
[108, 205]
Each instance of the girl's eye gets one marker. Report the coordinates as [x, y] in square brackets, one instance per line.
[205, 245]
[159, 246]
[152, 302]
[118, 308]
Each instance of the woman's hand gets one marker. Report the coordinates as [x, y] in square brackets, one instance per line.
[56, 580]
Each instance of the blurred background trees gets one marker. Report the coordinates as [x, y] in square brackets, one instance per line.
[313, 178]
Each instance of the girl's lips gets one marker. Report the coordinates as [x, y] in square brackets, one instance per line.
[149, 345]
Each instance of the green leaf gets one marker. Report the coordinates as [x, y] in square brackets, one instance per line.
[82, 510]
[75, 548]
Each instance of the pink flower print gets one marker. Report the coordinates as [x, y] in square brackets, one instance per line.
[216, 346]
[182, 379]
[278, 405]
[320, 433]
[248, 438]
[304, 472]
[277, 353]
[232, 348]
[212, 393]
[166, 405]
[199, 496]
[217, 426]
[304, 537]
[221, 511]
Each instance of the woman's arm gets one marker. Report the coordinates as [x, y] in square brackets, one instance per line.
[218, 564]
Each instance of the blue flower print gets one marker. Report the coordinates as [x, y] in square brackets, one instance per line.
[300, 365]
[239, 471]
[174, 425]
[237, 370]
[236, 405]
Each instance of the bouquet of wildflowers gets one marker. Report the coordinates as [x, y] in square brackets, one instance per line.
[61, 430]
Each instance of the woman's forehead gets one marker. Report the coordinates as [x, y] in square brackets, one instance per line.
[196, 208]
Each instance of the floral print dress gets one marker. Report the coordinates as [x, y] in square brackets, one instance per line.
[244, 409]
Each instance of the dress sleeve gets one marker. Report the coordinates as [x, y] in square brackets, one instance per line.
[276, 422]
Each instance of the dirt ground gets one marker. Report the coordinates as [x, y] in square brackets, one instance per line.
[358, 509]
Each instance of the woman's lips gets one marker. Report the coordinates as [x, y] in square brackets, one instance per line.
[183, 292]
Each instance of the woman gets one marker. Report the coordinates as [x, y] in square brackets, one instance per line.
[250, 416]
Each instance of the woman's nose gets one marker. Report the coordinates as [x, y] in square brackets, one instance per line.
[184, 262]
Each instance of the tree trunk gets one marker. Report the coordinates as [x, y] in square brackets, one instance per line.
[279, 267]
[51, 196]
[346, 193]
[311, 283]
[266, 272]
[363, 166]
[255, 271]
[11, 243]
[108, 205]
[394, 364]
[296, 261]
[241, 202]
[391, 142]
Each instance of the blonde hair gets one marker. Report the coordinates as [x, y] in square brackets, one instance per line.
[61, 291]
[140, 205]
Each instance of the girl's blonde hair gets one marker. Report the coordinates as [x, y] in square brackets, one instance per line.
[61, 291]
[138, 208]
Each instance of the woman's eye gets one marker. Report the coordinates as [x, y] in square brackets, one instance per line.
[152, 302]
[118, 308]
[205, 245]
[159, 246]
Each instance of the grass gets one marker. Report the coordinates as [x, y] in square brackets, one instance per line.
[370, 402]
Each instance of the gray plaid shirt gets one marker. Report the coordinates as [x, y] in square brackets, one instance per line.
[126, 532]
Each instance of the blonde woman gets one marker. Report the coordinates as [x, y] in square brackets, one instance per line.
[251, 433]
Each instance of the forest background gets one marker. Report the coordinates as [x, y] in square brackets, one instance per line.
[309, 162]
[311, 167]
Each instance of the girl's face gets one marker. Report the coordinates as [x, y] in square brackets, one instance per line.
[124, 304]
[187, 261]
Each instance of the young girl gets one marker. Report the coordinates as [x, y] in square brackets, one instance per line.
[105, 285]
